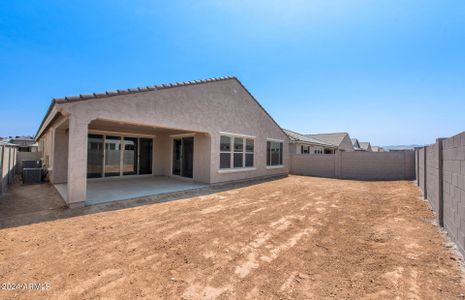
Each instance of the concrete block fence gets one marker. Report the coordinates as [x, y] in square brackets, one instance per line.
[441, 178]
[7, 166]
[396, 165]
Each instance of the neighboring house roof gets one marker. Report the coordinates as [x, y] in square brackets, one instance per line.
[107, 94]
[3, 143]
[295, 136]
[377, 149]
[356, 144]
[331, 138]
[365, 146]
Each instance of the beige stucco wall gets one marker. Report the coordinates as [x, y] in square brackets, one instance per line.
[59, 171]
[206, 109]
[162, 156]
[46, 148]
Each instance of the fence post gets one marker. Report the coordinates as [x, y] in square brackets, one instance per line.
[417, 165]
[337, 164]
[2, 148]
[9, 165]
[440, 182]
[425, 172]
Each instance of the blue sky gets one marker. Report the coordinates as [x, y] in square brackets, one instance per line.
[390, 72]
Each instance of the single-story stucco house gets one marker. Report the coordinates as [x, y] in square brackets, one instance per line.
[302, 144]
[365, 146]
[98, 146]
[377, 149]
[356, 144]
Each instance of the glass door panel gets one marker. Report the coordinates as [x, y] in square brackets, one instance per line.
[112, 156]
[187, 157]
[130, 156]
[94, 156]
[177, 145]
[145, 156]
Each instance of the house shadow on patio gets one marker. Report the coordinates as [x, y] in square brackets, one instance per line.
[29, 204]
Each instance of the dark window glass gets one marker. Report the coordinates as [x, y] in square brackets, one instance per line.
[238, 145]
[225, 160]
[249, 159]
[145, 156]
[274, 153]
[268, 153]
[187, 157]
[94, 156]
[249, 145]
[238, 160]
[177, 156]
[225, 144]
[305, 149]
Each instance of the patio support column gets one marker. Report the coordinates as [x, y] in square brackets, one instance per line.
[77, 161]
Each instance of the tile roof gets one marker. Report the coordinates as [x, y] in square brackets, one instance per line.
[150, 88]
[140, 89]
[335, 138]
[364, 145]
[355, 143]
[295, 136]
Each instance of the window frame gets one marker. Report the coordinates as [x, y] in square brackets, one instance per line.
[268, 153]
[308, 148]
[232, 137]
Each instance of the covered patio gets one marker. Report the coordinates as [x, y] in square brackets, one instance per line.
[120, 160]
[116, 189]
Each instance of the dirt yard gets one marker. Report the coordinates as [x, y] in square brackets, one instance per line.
[297, 237]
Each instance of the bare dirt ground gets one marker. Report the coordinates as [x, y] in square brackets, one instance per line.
[297, 237]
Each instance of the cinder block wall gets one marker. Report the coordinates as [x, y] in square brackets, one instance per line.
[7, 166]
[421, 168]
[378, 166]
[445, 184]
[454, 188]
[432, 176]
[356, 165]
[320, 165]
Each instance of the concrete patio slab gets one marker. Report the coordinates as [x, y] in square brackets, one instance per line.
[116, 189]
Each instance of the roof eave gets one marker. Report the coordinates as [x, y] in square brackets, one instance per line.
[51, 111]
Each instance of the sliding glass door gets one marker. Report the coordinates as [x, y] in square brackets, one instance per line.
[177, 147]
[130, 156]
[109, 156]
[145, 156]
[183, 157]
[94, 156]
[112, 156]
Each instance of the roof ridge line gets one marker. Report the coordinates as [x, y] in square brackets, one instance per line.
[111, 93]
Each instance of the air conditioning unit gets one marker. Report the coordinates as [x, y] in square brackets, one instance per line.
[32, 175]
[32, 164]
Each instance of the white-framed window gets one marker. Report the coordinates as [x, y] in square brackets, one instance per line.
[318, 150]
[236, 152]
[274, 153]
[304, 149]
